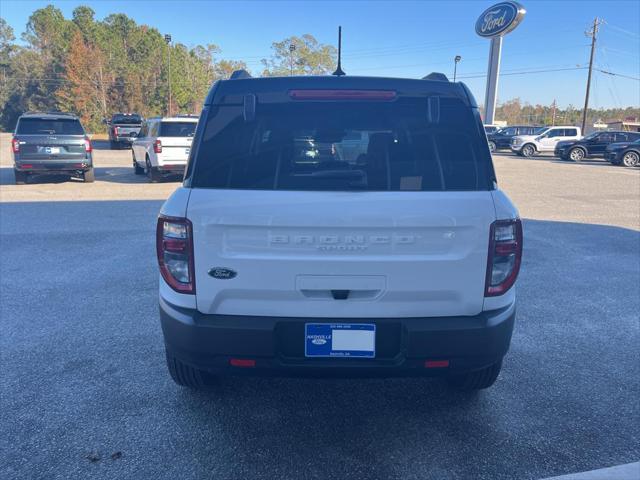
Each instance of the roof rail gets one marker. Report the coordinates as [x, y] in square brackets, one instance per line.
[437, 76]
[49, 112]
[239, 74]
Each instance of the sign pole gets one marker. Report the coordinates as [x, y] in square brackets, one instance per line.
[491, 94]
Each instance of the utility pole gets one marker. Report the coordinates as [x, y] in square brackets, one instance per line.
[553, 114]
[292, 48]
[167, 38]
[592, 33]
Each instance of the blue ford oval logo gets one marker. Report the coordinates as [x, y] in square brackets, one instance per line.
[318, 341]
[500, 19]
[222, 273]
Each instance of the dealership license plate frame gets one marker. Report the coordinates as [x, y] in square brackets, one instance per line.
[353, 340]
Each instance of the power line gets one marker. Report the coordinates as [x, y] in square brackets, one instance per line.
[618, 74]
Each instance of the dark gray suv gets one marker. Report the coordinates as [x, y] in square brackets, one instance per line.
[51, 143]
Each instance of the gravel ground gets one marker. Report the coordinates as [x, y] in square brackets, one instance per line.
[85, 392]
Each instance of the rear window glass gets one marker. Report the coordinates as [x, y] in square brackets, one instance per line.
[377, 146]
[123, 119]
[46, 126]
[177, 129]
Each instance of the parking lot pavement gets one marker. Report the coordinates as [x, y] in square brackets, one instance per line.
[85, 393]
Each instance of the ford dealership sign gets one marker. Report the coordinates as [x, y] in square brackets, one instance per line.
[500, 19]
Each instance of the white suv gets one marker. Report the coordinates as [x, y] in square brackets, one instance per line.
[338, 226]
[544, 141]
[163, 145]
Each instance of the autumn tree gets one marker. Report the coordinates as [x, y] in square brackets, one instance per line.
[84, 91]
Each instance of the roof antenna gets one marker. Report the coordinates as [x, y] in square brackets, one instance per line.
[339, 72]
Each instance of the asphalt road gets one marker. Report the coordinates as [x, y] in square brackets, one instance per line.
[85, 392]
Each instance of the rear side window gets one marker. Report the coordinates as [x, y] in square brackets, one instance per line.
[46, 126]
[570, 132]
[374, 146]
[177, 129]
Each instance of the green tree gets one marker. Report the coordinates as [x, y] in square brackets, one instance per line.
[308, 57]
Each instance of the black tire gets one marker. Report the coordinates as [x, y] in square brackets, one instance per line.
[476, 380]
[89, 176]
[528, 150]
[21, 177]
[492, 146]
[576, 154]
[152, 172]
[138, 170]
[184, 375]
[630, 159]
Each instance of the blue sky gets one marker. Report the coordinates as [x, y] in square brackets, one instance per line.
[410, 38]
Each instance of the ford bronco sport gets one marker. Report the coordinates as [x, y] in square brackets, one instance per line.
[285, 252]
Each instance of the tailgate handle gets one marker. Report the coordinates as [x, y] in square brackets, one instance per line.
[340, 294]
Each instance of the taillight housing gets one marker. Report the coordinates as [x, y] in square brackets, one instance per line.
[174, 246]
[115, 131]
[15, 145]
[157, 146]
[87, 145]
[505, 255]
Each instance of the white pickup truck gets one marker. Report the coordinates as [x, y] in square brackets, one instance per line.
[543, 141]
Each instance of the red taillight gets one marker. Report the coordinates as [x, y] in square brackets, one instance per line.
[115, 131]
[436, 364]
[87, 145]
[157, 146]
[174, 246]
[242, 362]
[15, 145]
[505, 255]
[379, 95]
[26, 165]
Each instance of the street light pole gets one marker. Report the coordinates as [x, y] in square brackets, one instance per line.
[292, 48]
[455, 66]
[167, 38]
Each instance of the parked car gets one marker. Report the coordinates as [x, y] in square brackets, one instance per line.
[401, 261]
[491, 129]
[501, 139]
[593, 145]
[625, 153]
[544, 140]
[162, 146]
[52, 143]
[123, 129]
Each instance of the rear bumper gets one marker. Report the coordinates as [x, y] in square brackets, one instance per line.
[123, 139]
[209, 342]
[53, 167]
[172, 167]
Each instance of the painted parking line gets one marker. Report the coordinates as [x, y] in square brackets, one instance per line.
[629, 471]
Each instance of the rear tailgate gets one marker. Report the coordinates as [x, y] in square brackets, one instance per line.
[51, 147]
[175, 149]
[407, 254]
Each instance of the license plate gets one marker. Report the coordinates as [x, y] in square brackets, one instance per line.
[340, 340]
[49, 150]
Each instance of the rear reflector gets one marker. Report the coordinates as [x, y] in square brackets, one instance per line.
[379, 95]
[242, 362]
[436, 364]
[26, 165]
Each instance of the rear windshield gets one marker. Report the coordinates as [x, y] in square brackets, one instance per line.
[377, 146]
[49, 126]
[124, 119]
[177, 129]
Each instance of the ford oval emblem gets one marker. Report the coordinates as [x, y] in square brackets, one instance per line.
[500, 19]
[318, 341]
[222, 273]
